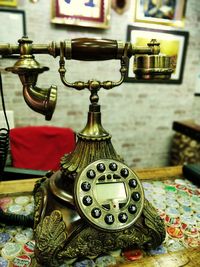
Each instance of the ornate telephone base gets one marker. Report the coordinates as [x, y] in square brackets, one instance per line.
[94, 204]
[58, 239]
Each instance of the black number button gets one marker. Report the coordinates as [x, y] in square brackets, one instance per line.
[121, 205]
[85, 186]
[124, 172]
[96, 212]
[116, 176]
[101, 167]
[123, 217]
[87, 200]
[109, 219]
[132, 183]
[91, 174]
[132, 209]
[106, 206]
[102, 178]
[136, 196]
[113, 166]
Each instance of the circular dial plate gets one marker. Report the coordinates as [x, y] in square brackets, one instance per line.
[109, 195]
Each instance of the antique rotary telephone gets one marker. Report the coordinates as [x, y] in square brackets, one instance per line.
[95, 202]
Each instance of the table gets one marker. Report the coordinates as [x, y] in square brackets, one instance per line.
[188, 257]
[189, 128]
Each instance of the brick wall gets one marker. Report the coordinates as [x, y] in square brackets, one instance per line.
[139, 116]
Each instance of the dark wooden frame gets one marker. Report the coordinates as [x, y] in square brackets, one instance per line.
[22, 20]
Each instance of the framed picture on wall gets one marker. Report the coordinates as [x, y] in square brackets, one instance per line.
[171, 12]
[172, 43]
[12, 25]
[10, 3]
[87, 13]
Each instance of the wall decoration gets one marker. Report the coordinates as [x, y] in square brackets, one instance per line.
[10, 3]
[120, 6]
[12, 25]
[172, 43]
[171, 12]
[88, 13]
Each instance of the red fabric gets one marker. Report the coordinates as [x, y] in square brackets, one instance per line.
[40, 147]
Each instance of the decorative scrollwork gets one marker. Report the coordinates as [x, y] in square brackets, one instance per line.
[39, 193]
[154, 223]
[92, 242]
[53, 245]
[51, 236]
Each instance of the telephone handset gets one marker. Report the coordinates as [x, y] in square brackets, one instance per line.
[109, 195]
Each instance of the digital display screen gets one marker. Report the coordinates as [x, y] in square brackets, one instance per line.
[110, 191]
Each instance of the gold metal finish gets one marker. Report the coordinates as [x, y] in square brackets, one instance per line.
[120, 49]
[41, 100]
[152, 67]
[60, 232]
[96, 131]
[91, 85]
[154, 46]
[67, 49]
[79, 239]
[8, 49]
[114, 202]
[93, 143]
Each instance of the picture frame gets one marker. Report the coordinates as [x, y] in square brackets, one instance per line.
[172, 43]
[158, 11]
[15, 21]
[8, 3]
[90, 13]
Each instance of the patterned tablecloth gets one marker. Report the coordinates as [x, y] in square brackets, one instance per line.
[177, 202]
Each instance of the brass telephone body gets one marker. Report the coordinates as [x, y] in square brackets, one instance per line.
[95, 202]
